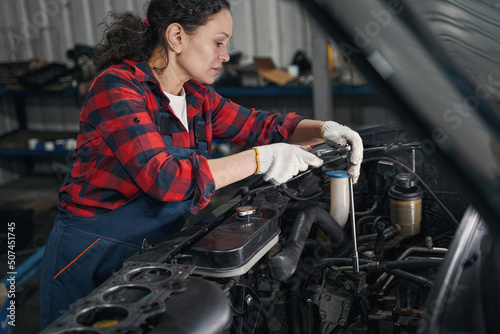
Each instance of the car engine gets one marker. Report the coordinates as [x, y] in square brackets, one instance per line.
[275, 260]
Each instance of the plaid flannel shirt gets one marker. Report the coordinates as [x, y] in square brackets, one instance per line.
[120, 151]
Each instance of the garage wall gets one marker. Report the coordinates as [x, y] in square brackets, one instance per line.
[48, 28]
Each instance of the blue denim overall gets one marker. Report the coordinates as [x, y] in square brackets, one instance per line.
[82, 252]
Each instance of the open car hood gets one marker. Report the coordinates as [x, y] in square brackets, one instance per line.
[437, 63]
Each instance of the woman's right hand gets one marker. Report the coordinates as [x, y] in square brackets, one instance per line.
[280, 162]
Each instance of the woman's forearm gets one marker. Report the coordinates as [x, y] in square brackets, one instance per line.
[236, 167]
[233, 168]
[307, 132]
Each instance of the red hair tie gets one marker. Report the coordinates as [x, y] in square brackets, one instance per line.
[147, 22]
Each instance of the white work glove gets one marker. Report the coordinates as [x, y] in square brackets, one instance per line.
[337, 136]
[280, 162]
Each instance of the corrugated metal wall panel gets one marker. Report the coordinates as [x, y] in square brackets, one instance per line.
[125, 6]
[6, 38]
[244, 35]
[84, 21]
[270, 28]
[265, 46]
[68, 27]
[24, 31]
[48, 28]
[101, 10]
[294, 30]
[142, 6]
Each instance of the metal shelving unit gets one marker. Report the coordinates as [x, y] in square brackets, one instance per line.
[19, 96]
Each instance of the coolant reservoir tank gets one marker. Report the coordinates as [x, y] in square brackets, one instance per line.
[339, 196]
[406, 204]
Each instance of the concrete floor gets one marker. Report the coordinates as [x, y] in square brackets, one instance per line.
[31, 203]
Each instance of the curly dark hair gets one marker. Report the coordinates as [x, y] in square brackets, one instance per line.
[129, 37]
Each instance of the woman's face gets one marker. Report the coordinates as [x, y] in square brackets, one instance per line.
[204, 51]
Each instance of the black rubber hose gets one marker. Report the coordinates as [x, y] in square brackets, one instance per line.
[367, 212]
[422, 281]
[284, 264]
[367, 265]
[403, 264]
[301, 199]
[340, 261]
[389, 232]
[414, 264]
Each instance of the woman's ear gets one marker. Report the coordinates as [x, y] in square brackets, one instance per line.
[174, 37]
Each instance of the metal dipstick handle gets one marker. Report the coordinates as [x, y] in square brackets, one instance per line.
[355, 258]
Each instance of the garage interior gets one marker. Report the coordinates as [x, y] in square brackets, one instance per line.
[39, 119]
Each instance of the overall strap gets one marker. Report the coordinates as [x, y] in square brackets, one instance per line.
[200, 133]
[165, 123]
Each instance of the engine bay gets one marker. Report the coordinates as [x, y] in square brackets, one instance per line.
[274, 260]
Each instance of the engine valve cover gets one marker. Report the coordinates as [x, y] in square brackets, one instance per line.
[235, 245]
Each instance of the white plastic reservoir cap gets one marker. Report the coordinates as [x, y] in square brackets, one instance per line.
[338, 174]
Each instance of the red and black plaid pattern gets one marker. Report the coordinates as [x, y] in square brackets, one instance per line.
[120, 151]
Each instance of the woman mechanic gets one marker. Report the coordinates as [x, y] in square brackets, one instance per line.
[142, 162]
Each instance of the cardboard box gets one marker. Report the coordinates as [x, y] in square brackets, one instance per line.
[267, 70]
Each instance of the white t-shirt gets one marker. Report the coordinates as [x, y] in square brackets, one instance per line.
[179, 106]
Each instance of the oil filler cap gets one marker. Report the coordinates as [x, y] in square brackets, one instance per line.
[405, 181]
[405, 188]
[246, 210]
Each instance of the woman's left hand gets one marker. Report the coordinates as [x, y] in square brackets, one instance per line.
[337, 136]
